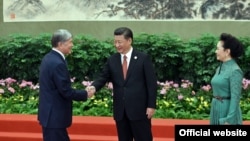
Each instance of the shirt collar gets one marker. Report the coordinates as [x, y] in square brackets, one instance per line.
[59, 52]
[128, 54]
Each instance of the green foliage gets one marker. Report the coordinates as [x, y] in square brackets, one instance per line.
[18, 97]
[200, 61]
[21, 55]
[244, 61]
[173, 58]
[88, 56]
[181, 101]
[165, 52]
[173, 100]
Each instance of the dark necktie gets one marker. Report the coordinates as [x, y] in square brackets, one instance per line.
[124, 66]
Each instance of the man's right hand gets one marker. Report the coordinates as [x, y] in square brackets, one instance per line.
[91, 91]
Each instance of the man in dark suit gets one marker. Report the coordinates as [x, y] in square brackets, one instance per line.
[134, 88]
[56, 94]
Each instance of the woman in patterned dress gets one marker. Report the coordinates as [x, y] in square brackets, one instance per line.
[227, 83]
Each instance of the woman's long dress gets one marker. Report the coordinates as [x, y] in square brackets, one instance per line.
[227, 84]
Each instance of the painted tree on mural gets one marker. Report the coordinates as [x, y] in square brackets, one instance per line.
[27, 8]
[152, 9]
[138, 9]
[226, 9]
[181, 9]
[81, 4]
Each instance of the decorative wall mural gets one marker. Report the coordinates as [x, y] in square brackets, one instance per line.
[85, 10]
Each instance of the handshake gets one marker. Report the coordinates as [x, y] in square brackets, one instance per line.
[90, 90]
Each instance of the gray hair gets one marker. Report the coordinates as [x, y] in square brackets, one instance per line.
[60, 35]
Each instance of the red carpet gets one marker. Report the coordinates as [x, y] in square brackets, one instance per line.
[18, 127]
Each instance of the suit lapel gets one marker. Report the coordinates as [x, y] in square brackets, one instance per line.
[118, 62]
[132, 63]
[58, 55]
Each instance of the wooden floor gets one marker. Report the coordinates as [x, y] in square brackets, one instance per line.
[18, 127]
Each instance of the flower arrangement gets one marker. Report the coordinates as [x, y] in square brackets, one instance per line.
[174, 100]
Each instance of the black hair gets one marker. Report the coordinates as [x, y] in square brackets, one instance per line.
[126, 32]
[232, 43]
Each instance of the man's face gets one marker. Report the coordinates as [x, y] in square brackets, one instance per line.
[121, 44]
[65, 47]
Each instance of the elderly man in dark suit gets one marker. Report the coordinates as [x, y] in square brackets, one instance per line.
[134, 88]
[56, 94]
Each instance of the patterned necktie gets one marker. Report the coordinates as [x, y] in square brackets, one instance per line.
[124, 66]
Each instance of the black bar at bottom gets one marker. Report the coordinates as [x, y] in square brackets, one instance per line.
[198, 132]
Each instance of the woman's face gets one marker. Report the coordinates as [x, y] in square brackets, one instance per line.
[222, 54]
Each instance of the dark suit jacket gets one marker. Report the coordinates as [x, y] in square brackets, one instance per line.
[56, 94]
[134, 94]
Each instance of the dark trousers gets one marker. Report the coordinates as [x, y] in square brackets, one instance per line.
[134, 130]
[55, 134]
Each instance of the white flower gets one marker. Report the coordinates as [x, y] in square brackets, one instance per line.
[1, 91]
